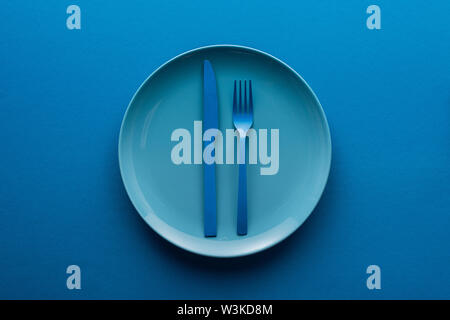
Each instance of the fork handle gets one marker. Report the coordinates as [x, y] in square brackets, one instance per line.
[242, 191]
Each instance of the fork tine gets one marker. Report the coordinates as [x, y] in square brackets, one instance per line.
[250, 97]
[245, 97]
[240, 97]
[234, 99]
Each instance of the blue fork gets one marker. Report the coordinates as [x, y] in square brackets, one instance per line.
[242, 120]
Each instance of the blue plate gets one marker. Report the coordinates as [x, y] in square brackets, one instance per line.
[169, 196]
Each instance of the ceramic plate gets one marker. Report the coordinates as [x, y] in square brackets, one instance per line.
[169, 197]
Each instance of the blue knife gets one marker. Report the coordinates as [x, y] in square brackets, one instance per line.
[210, 121]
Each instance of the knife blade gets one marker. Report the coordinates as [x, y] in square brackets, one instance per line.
[210, 121]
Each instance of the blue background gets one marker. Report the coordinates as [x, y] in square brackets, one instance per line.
[386, 96]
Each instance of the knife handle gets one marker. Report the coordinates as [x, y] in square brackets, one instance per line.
[210, 223]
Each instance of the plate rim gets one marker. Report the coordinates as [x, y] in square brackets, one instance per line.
[180, 244]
